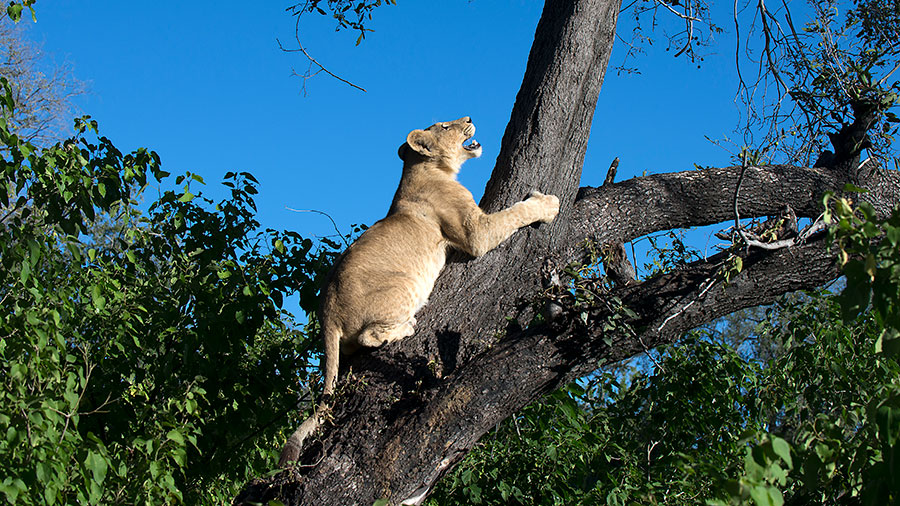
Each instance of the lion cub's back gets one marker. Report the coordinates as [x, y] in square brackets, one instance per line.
[387, 274]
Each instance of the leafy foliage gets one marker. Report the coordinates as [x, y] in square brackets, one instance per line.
[346, 13]
[710, 424]
[15, 8]
[667, 251]
[868, 249]
[145, 357]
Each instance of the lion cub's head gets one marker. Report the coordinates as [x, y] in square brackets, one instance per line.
[442, 144]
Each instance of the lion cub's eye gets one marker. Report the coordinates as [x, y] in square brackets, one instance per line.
[445, 126]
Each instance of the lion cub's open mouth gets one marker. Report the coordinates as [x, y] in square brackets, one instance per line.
[469, 132]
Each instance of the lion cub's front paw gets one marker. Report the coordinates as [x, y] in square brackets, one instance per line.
[549, 205]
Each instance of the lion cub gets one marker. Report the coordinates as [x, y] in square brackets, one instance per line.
[385, 277]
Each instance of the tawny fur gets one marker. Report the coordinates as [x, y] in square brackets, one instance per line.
[386, 276]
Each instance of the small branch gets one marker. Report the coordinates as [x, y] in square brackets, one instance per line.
[753, 241]
[683, 15]
[647, 352]
[885, 78]
[689, 23]
[98, 409]
[771, 40]
[737, 191]
[315, 62]
[312, 60]
[333, 224]
[611, 173]
[710, 283]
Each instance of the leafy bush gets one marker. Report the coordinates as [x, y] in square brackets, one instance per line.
[145, 355]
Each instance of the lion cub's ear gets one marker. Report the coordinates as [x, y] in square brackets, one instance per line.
[421, 141]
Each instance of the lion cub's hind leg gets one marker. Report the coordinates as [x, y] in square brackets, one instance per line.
[377, 334]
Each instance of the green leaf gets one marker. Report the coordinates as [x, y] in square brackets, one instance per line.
[849, 187]
[760, 495]
[35, 252]
[176, 436]
[97, 465]
[552, 453]
[25, 272]
[888, 418]
[893, 235]
[97, 297]
[783, 450]
[12, 488]
[888, 342]
[25, 149]
[187, 197]
[380, 502]
[571, 410]
[15, 13]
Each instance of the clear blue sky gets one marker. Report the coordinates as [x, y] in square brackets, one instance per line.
[206, 86]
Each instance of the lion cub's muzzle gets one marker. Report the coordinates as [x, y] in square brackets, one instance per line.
[473, 147]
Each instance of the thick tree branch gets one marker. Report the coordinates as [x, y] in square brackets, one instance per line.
[704, 197]
[696, 198]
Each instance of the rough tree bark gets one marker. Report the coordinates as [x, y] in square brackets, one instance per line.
[406, 413]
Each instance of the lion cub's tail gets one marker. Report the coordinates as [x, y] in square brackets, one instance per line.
[291, 451]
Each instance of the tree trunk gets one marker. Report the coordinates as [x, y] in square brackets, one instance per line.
[408, 412]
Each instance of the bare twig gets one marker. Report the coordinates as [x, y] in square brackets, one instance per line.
[770, 40]
[709, 284]
[752, 240]
[737, 192]
[687, 16]
[315, 62]
[689, 26]
[647, 352]
[333, 224]
[885, 78]
[312, 60]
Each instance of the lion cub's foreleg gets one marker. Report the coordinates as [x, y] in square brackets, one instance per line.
[485, 232]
